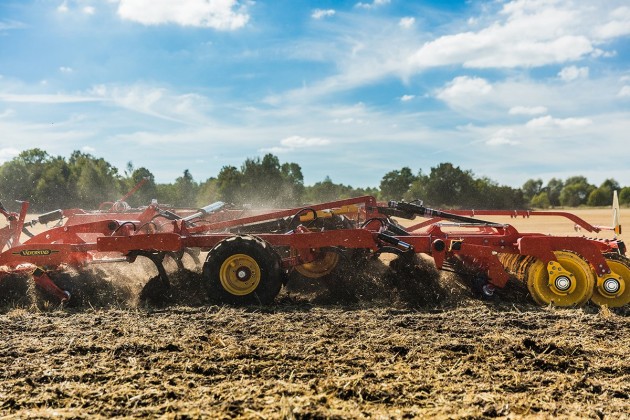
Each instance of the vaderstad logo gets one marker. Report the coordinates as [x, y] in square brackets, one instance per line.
[35, 252]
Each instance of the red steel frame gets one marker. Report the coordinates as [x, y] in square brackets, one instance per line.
[89, 237]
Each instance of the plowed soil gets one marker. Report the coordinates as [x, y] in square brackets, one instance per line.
[370, 346]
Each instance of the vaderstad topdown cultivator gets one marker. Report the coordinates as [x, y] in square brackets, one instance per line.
[250, 256]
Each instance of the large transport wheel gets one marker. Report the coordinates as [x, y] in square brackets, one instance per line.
[549, 286]
[243, 270]
[324, 264]
[337, 270]
[614, 291]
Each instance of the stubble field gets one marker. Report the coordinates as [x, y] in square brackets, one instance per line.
[367, 351]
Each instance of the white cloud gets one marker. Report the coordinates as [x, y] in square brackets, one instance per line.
[527, 110]
[365, 49]
[47, 99]
[89, 10]
[155, 102]
[564, 123]
[624, 92]
[7, 25]
[506, 35]
[88, 149]
[349, 120]
[524, 34]
[502, 137]
[63, 7]
[221, 15]
[320, 13]
[374, 4]
[463, 87]
[407, 98]
[618, 25]
[7, 113]
[571, 73]
[297, 142]
[65, 69]
[8, 153]
[407, 22]
[488, 50]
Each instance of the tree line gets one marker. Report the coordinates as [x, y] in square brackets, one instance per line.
[50, 182]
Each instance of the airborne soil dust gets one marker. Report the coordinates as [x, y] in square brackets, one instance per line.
[372, 345]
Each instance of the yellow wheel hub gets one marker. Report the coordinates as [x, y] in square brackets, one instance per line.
[324, 264]
[569, 281]
[611, 289]
[240, 274]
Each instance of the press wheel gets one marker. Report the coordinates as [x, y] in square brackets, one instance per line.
[567, 282]
[614, 290]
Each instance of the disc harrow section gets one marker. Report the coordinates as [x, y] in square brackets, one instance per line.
[569, 281]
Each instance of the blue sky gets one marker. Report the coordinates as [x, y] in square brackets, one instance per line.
[511, 90]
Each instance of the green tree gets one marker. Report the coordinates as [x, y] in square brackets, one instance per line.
[599, 197]
[448, 185]
[53, 189]
[624, 195]
[327, 190]
[554, 189]
[185, 190]
[262, 181]
[490, 195]
[417, 189]
[229, 183]
[208, 192]
[94, 180]
[293, 184]
[395, 184]
[602, 196]
[541, 200]
[575, 192]
[146, 192]
[19, 178]
[531, 188]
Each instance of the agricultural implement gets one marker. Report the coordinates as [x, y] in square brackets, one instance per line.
[251, 256]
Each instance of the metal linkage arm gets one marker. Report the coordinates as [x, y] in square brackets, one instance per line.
[420, 210]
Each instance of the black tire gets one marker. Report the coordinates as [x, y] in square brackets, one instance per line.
[243, 270]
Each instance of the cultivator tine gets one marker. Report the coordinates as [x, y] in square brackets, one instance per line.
[158, 260]
[42, 279]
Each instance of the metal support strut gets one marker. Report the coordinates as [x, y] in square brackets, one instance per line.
[42, 279]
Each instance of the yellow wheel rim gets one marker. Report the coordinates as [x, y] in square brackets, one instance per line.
[569, 282]
[240, 274]
[321, 266]
[612, 289]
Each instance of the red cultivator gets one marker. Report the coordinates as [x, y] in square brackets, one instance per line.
[250, 256]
